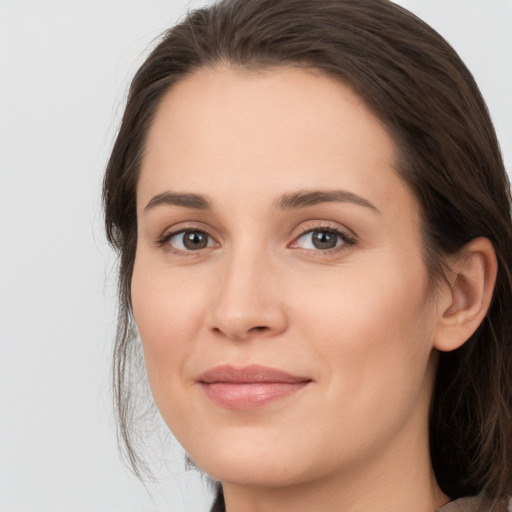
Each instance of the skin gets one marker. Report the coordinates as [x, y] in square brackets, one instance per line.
[360, 320]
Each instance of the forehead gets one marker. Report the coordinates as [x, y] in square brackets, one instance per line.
[235, 133]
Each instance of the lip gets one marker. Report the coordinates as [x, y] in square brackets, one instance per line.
[249, 387]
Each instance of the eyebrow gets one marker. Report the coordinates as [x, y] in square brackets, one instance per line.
[300, 199]
[305, 198]
[186, 200]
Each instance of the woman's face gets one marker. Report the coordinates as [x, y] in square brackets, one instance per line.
[274, 232]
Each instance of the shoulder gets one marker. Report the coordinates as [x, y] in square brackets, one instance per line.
[473, 504]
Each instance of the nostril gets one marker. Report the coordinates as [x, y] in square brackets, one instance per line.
[259, 328]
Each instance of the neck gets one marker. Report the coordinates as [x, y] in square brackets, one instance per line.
[387, 486]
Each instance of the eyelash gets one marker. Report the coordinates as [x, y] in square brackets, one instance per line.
[167, 237]
[346, 239]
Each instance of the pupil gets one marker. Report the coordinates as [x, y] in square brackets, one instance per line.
[194, 240]
[324, 240]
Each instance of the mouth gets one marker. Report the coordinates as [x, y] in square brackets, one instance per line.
[250, 387]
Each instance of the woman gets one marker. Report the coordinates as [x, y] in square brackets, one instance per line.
[313, 220]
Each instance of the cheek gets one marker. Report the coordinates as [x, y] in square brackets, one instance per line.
[369, 334]
[168, 314]
[373, 330]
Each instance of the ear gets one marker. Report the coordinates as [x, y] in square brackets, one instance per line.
[465, 301]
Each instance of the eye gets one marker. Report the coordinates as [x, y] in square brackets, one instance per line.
[188, 240]
[323, 239]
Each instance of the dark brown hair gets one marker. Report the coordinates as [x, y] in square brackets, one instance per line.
[449, 156]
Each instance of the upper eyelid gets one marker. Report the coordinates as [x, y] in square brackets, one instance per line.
[325, 225]
[187, 226]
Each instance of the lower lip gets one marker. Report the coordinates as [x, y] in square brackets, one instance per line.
[245, 396]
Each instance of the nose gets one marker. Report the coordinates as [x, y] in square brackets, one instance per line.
[249, 301]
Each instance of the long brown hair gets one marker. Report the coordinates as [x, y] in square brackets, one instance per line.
[449, 156]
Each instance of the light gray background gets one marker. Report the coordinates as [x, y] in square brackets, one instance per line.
[64, 69]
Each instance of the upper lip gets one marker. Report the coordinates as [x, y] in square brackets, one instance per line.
[248, 374]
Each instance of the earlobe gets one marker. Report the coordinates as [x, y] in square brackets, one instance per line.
[469, 295]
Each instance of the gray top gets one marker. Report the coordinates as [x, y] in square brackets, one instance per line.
[473, 504]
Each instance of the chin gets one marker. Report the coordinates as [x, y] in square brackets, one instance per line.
[255, 474]
[251, 466]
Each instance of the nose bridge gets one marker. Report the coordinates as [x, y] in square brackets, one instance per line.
[247, 301]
